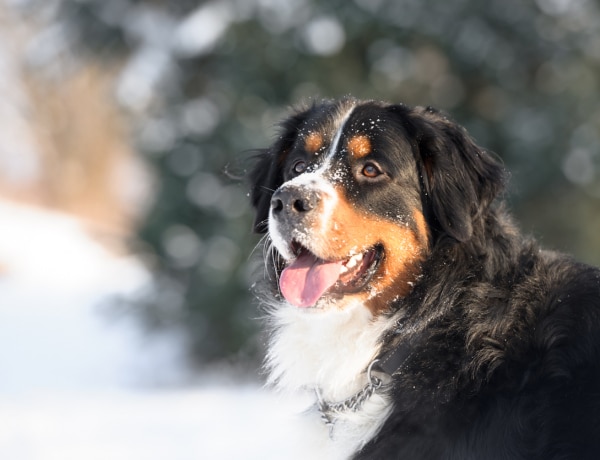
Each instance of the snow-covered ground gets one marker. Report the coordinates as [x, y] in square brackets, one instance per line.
[75, 384]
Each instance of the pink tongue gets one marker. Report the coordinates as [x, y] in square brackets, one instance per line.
[304, 281]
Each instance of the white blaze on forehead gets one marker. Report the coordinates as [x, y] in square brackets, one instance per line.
[341, 124]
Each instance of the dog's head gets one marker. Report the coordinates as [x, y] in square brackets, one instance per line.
[355, 194]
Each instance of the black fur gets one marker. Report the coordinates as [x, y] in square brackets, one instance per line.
[506, 363]
[267, 175]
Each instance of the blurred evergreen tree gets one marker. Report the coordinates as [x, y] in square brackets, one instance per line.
[206, 81]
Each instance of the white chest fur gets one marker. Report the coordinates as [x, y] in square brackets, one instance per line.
[329, 351]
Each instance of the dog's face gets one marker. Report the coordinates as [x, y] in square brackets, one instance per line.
[349, 197]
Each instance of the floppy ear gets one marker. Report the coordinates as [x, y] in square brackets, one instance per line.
[462, 179]
[267, 174]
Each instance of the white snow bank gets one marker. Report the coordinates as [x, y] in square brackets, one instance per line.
[53, 331]
[205, 423]
[52, 250]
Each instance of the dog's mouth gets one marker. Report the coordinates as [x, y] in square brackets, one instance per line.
[308, 278]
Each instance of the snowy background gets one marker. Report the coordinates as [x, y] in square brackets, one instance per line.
[77, 380]
[76, 383]
[104, 99]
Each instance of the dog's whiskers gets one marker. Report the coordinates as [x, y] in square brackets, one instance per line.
[262, 242]
[269, 255]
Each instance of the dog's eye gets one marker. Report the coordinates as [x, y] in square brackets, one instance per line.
[299, 167]
[371, 171]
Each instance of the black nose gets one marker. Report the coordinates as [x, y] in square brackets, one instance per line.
[296, 201]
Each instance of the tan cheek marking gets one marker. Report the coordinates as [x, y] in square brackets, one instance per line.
[313, 142]
[351, 232]
[400, 267]
[359, 146]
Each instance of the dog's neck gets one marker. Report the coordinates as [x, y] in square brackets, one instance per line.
[328, 352]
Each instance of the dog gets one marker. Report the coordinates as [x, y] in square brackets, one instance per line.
[400, 292]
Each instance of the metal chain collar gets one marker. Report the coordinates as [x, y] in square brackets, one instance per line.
[329, 411]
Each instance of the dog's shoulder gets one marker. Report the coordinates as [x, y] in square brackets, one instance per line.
[514, 370]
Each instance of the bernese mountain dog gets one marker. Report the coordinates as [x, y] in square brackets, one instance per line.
[399, 291]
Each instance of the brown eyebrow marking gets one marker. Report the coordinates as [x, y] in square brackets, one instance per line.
[359, 146]
[313, 142]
